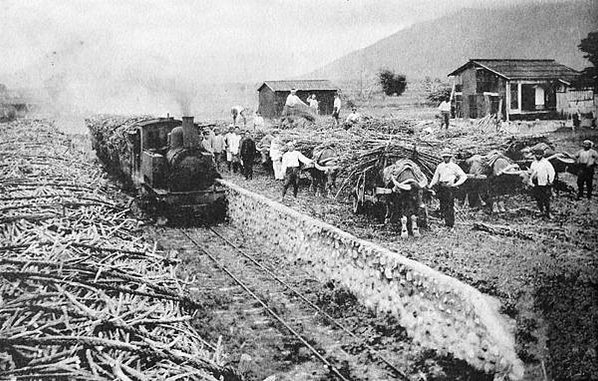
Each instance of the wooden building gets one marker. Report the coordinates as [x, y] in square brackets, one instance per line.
[514, 88]
[273, 95]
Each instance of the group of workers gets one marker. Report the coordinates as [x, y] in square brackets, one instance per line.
[448, 176]
[235, 147]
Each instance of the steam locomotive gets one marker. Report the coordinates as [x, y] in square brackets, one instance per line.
[174, 175]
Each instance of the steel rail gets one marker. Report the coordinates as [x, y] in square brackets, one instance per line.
[314, 306]
[328, 364]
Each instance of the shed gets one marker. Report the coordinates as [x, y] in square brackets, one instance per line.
[273, 95]
[514, 88]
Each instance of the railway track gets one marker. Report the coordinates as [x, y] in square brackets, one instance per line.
[268, 306]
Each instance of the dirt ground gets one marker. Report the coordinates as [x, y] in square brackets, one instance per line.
[543, 271]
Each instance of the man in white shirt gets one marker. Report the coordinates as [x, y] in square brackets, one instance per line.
[276, 147]
[233, 141]
[541, 179]
[290, 167]
[445, 112]
[353, 118]
[313, 103]
[336, 111]
[293, 99]
[218, 145]
[448, 176]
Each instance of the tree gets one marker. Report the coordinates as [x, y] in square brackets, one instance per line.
[392, 83]
[589, 45]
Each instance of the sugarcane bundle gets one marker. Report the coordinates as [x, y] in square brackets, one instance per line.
[373, 160]
[82, 295]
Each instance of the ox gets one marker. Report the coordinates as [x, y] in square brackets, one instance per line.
[490, 178]
[404, 184]
[324, 171]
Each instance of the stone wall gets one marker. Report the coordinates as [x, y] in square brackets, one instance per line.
[438, 312]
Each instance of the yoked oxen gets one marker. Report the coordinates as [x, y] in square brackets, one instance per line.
[404, 185]
[325, 170]
[490, 178]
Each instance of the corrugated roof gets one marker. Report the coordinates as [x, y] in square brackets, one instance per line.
[523, 69]
[300, 84]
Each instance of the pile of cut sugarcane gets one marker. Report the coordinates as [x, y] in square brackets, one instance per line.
[375, 158]
[82, 295]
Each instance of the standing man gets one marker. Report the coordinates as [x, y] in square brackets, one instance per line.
[445, 113]
[448, 176]
[206, 141]
[237, 111]
[276, 147]
[248, 152]
[290, 168]
[586, 159]
[541, 178]
[336, 111]
[233, 140]
[218, 145]
[227, 142]
[293, 100]
[313, 103]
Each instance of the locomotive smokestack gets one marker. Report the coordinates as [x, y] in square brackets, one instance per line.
[190, 134]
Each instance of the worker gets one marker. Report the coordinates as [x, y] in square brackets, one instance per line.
[233, 140]
[258, 121]
[445, 112]
[206, 141]
[218, 146]
[313, 103]
[353, 118]
[290, 168]
[276, 147]
[336, 111]
[248, 152]
[541, 178]
[586, 159]
[239, 111]
[449, 176]
[293, 100]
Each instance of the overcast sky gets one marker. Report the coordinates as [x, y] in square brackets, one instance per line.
[162, 43]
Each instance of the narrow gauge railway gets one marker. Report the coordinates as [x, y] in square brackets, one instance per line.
[265, 296]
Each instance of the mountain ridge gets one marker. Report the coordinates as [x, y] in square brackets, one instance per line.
[436, 47]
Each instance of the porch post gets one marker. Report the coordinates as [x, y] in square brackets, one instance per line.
[519, 96]
[507, 99]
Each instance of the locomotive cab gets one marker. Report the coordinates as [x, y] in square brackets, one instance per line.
[173, 173]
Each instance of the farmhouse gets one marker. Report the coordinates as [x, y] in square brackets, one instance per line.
[273, 94]
[513, 88]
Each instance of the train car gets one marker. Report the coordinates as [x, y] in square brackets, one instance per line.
[174, 175]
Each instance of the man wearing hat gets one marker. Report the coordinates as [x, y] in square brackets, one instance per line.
[293, 100]
[586, 160]
[448, 176]
[541, 179]
[290, 168]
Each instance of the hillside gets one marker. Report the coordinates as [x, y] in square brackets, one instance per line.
[435, 48]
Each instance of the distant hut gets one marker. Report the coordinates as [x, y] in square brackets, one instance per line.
[273, 94]
[514, 88]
